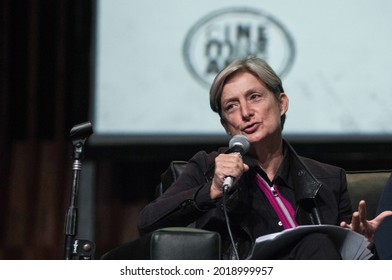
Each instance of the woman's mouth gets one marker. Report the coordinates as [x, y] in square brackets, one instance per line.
[251, 128]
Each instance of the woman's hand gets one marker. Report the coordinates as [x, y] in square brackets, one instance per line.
[365, 227]
[226, 165]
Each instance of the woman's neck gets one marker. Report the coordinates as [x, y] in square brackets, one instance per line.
[269, 156]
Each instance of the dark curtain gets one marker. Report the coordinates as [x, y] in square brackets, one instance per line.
[45, 66]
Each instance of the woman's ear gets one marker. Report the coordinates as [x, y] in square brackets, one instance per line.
[283, 103]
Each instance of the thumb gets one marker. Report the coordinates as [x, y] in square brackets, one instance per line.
[380, 217]
[246, 167]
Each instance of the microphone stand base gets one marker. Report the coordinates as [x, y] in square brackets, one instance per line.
[82, 250]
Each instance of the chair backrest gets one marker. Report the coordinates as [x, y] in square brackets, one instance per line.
[169, 176]
[367, 185]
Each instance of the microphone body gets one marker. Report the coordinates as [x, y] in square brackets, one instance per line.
[239, 144]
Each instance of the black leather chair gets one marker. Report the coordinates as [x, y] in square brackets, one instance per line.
[169, 176]
[191, 243]
[185, 243]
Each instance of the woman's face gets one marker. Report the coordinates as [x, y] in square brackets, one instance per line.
[250, 108]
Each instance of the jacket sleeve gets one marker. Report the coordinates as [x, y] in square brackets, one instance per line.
[334, 200]
[185, 200]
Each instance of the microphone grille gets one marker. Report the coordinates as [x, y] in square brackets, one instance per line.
[240, 140]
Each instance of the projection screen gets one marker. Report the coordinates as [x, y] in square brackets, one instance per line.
[155, 60]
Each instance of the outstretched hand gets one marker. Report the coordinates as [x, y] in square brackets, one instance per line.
[365, 227]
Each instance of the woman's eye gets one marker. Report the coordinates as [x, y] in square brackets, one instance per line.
[255, 96]
[229, 107]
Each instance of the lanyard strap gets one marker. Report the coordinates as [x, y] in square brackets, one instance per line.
[282, 207]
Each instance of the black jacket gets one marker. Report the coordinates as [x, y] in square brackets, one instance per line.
[317, 192]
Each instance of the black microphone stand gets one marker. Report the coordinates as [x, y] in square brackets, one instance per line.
[77, 248]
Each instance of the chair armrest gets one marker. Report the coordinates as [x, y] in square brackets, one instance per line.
[172, 243]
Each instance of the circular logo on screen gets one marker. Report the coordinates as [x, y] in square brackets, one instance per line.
[225, 35]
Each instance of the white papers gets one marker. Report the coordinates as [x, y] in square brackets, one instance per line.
[352, 245]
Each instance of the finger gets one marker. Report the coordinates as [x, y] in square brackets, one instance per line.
[344, 225]
[246, 167]
[229, 165]
[355, 223]
[362, 211]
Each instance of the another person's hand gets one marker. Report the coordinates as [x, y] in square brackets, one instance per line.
[226, 165]
[365, 227]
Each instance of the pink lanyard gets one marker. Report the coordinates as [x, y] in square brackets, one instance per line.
[282, 207]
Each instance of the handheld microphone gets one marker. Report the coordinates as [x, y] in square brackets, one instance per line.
[238, 144]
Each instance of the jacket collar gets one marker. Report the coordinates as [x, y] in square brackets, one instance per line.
[294, 172]
[305, 184]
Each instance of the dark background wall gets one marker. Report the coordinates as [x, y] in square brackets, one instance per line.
[46, 63]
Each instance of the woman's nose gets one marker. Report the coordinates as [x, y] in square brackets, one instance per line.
[246, 111]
